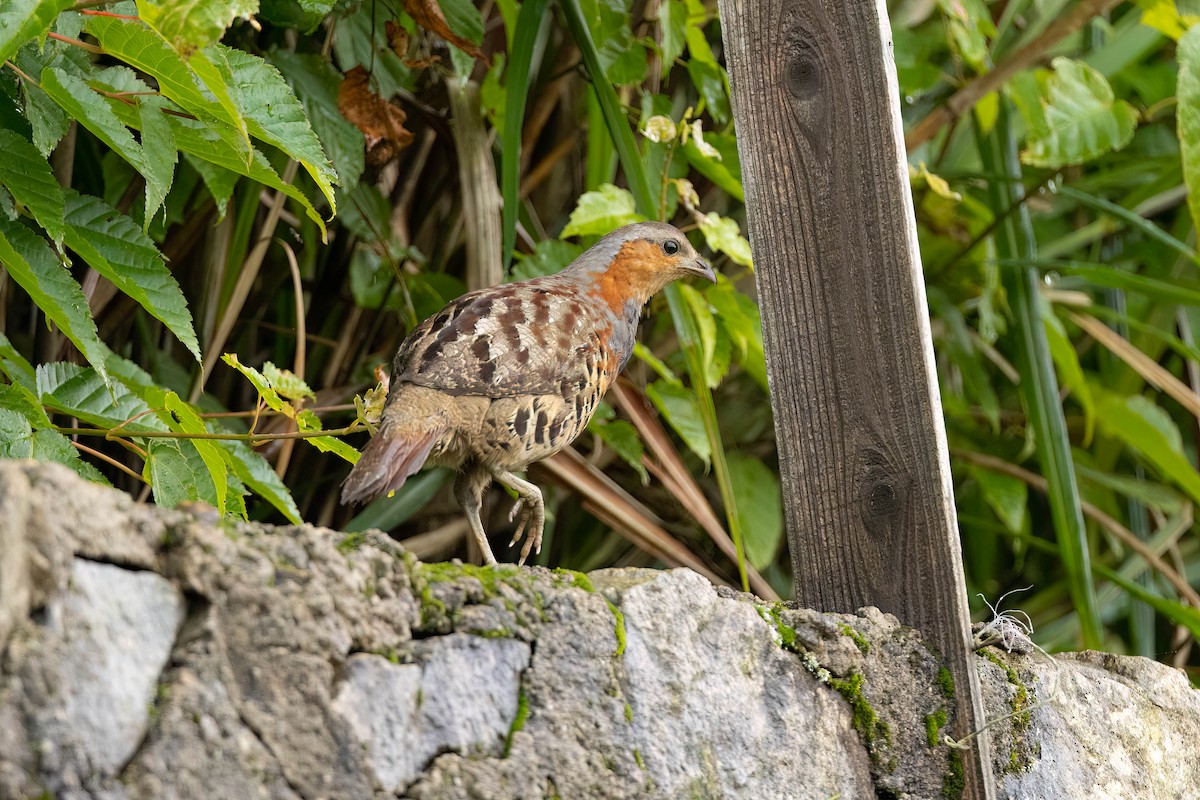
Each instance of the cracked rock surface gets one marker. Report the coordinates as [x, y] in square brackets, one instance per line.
[155, 654]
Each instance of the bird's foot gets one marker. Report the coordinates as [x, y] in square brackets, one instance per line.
[532, 512]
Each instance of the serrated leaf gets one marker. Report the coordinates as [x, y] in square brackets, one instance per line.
[1187, 116]
[158, 148]
[16, 397]
[177, 474]
[254, 471]
[623, 438]
[22, 20]
[36, 269]
[219, 181]
[15, 366]
[1083, 118]
[286, 382]
[78, 391]
[601, 212]
[679, 407]
[275, 116]
[191, 24]
[113, 245]
[760, 508]
[52, 447]
[25, 173]
[97, 115]
[189, 422]
[316, 83]
[206, 97]
[723, 235]
[16, 435]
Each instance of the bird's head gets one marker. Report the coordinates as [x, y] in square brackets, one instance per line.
[635, 262]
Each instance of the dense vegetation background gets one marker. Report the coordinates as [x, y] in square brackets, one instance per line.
[219, 217]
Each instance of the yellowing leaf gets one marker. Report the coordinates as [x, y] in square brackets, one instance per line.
[723, 235]
[659, 129]
[1082, 117]
[601, 212]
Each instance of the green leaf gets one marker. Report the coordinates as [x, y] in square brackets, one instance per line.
[969, 25]
[725, 172]
[715, 344]
[1082, 117]
[287, 383]
[549, 256]
[1069, 370]
[622, 58]
[47, 121]
[1148, 493]
[463, 18]
[672, 21]
[623, 438]
[15, 366]
[219, 181]
[316, 83]
[678, 405]
[254, 471]
[177, 474]
[723, 235]
[113, 245]
[52, 447]
[274, 115]
[92, 111]
[22, 20]
[602, 212]
[1007, 496]
[191, 24]
[79, 392]
[738, 316]
[305, 15]
[37, 270]
[16, 435]
[189, 422]
[16, 397]
[203, 94]
[708, 76]
[25, 173]
[1187, 115]
[760, 507]
[1148, 430]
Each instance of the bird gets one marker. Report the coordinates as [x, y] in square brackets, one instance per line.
[506, 376]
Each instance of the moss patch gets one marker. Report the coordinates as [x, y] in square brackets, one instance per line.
[519, 720]
[581, 581]
[945, 682]
[860, 641]
[875, 732]
[351, 542]
[1023, 752]
[933, 726]
[955, 782]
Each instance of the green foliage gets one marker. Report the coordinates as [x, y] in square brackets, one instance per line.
[125, 263]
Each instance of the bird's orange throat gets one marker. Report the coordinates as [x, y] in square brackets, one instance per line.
[638, 271]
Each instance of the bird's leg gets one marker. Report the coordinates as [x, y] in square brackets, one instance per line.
[468, 490]
[530, 507]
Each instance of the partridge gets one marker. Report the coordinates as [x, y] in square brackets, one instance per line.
[506, 376]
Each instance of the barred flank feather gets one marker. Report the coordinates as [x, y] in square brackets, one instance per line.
[387, 461]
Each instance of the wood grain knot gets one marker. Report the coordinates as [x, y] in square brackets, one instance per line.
[883, 487]
[802, 74]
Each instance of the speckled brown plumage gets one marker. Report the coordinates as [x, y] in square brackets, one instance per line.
[506, 376]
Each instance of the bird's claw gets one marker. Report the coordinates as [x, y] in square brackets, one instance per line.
[532, 515]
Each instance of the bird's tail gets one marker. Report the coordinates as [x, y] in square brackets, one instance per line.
[395, 453]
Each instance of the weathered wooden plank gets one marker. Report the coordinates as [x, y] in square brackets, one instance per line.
[858, 419]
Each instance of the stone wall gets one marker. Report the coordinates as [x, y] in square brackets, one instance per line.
[151, 654]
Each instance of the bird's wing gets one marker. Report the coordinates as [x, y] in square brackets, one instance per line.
[536, 337]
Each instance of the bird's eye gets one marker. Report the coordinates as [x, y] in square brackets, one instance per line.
[670, 247]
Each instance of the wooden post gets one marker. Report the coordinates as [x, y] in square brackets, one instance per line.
[858, 419]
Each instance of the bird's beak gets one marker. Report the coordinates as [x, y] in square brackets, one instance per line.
[702, 268]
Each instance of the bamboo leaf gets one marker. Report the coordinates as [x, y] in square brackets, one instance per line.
[113, 245]
[1148, 430]
[22, 20]
[36, 269]
[25, 173]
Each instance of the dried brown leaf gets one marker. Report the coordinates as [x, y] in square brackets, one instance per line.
[381, 122]
[428, 14]
[397, 38]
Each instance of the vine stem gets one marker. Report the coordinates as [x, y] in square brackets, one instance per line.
[112, 433]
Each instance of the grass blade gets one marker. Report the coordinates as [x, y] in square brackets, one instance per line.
[1014, 239]
[530, 21]
[681, 315]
